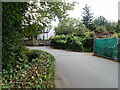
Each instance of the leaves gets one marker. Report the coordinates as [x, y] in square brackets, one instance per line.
[37, 18]
[84, 42]
[69, 26]
[21, 19]
[87, 16]
[39, 73]
[11, 34]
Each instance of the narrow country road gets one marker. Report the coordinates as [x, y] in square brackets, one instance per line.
[80, 70]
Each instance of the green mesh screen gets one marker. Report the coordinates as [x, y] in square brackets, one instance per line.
[119, 49]
[106, 48]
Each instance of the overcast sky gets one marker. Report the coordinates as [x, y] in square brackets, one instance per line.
[106, 8]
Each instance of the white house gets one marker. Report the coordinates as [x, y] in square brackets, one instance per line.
[46, 34]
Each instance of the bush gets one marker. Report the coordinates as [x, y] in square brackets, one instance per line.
[59, 41]
[68, 42]
[74, 43]
[88, 38]
[37, 71]
[116, 35]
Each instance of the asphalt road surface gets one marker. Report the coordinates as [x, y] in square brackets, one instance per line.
[80, 70]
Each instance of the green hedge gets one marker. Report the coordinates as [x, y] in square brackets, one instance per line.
[36, 71]
[83, 42]
[74, 43]
[87, 40]
[68, 42]
[59, 41]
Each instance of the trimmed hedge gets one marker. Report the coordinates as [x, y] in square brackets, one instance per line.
[36, 71]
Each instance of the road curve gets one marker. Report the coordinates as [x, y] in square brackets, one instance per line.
[79, 70]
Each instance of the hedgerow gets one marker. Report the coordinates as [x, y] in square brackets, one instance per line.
[73, 42]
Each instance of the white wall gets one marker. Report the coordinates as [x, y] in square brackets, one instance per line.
[51, 33]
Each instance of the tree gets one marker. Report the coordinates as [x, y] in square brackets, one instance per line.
[20, 19]
[118, 26]
[112, 27]
[38, 17]
[87, 16]
[101, 21]
[69, 26]
[101, 29]
[41, 16]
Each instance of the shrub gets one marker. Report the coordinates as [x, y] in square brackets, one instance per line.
[69, 42]
[74, 43]
[101, 29]
[87, 40]
[37, 71]
[116, 35]
[59, 42]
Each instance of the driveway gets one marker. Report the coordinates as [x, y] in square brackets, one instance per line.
[80, 70]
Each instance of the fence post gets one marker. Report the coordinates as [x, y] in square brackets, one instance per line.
[116, 58]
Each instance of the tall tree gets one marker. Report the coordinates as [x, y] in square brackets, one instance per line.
[87, 16]
[101, 21]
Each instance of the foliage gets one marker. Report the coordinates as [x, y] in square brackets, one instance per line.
[36, 71]
[73, 42]
[88, 38]
[21, 19]
[111, 27]
[87, 16]
[69, 42]
[65, 27]
[38, 17]
[116, 35]
[59, 41]
[118, 27]
[101, 21]
[12, 32]
[69, 26]
[100, 29]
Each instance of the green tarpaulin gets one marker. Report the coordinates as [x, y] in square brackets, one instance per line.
[109, 48]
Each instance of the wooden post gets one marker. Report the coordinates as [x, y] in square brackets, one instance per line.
[32, 39]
